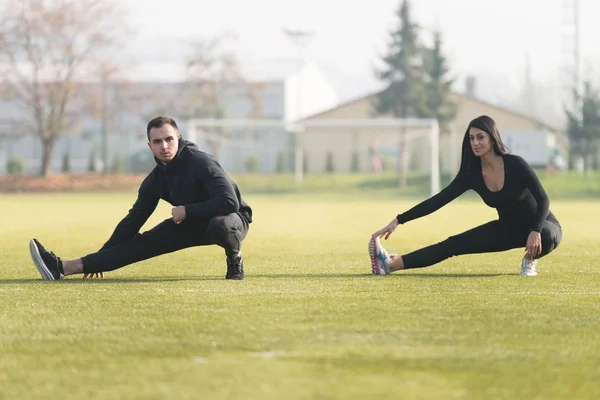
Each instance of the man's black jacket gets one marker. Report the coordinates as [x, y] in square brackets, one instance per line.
[193, 179]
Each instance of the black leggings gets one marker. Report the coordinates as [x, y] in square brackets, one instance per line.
[487, 238]
[226, 231]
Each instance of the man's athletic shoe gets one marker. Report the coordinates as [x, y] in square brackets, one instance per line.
[235, 268]
[528, 267]
[48, 264]
[380, 259]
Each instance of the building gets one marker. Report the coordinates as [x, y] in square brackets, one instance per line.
[130, 105]
[350, 146]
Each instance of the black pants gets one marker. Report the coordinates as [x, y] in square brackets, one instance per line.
[226, 231]
[494, 236]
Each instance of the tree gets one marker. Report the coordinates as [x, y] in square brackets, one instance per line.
[329, 162]
[355, 162]
[210, 69]
[583, 127]
[66, 163]
[105, 70]
[15, 166]
[118, 166]
[404, 76]
[438, 86]
[305, 166]
[280, 163]
[101, 102]
[252, 164]
[44, 45]
[91, 167]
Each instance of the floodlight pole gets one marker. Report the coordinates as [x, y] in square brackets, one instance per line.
[301, 40]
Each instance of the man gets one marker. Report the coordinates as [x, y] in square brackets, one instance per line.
[207, 209]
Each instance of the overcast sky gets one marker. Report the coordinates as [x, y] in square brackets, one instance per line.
[492, 39]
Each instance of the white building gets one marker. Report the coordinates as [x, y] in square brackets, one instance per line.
[132, 104]
[307, 92]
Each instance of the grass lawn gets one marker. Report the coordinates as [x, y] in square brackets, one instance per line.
[309, 321]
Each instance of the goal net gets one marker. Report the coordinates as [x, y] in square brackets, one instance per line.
[409, 147]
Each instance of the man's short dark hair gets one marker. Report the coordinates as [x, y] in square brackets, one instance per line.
[159, 122]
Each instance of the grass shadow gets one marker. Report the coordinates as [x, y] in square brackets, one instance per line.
[106, 280]
[368, 275]
[109, 280]
[311, 276]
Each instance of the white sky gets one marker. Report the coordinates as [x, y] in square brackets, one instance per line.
[488, 38]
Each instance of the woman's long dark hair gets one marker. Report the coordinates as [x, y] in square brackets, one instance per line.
[488, 125]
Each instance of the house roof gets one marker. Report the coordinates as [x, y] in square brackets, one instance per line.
[544, 124]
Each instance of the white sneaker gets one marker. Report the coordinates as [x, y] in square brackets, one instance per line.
[528, 267]
[381, 261]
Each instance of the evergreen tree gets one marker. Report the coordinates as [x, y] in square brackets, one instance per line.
[439, 85]
[91, 167]
[305, 163]
[280, 163]
[403, 73]
[355, 162]
[583, 128]
[252, 164]
[329, 162]
[66, 163]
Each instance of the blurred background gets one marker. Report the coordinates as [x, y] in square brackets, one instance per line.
[294, 94]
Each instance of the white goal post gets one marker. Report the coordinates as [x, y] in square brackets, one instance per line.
[314, 135]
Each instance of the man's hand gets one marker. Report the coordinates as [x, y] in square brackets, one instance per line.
[387, 230]
[178, 214]
[97, 275]
[534, 245]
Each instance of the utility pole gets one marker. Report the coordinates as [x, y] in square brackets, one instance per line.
[572, 49]
[572, 66]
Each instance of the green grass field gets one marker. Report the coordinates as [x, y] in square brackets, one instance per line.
[309, 321]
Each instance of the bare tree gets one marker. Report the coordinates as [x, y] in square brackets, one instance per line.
[254, 93]
[45, 46]
[106, 71]
[210, 70]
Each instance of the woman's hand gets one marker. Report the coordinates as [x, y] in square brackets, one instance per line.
[534, 245]
[387, 230]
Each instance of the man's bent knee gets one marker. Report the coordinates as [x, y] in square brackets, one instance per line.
[218, 226]
[221, 227]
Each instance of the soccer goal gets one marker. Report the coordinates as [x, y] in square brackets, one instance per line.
[322, 146]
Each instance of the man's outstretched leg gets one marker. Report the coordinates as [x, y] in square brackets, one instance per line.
[51, 267]
[226, 231]
[164, 238]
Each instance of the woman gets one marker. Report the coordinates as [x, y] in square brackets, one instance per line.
[505, 182]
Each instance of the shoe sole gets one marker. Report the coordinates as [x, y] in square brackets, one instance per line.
[529, 274]
[38, 262]
[375, 269]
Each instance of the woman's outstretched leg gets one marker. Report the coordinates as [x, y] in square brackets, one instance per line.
[493, 236]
